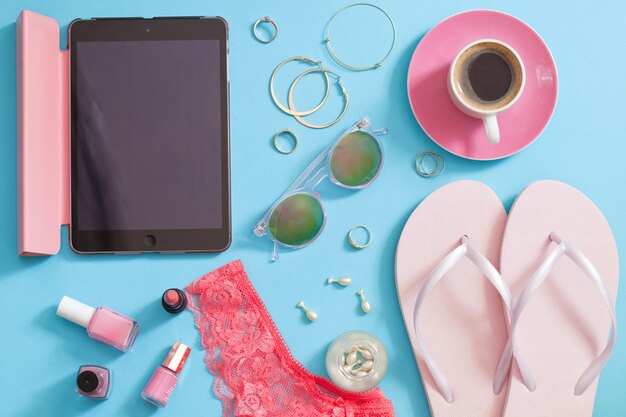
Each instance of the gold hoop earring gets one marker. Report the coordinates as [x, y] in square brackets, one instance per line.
[343, 90]
[291, 111]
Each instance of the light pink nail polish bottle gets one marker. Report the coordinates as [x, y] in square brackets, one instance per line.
[102, 323]
[164, 379]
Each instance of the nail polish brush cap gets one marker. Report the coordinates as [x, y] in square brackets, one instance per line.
[87, 381]
[75, 311]
[177, 356]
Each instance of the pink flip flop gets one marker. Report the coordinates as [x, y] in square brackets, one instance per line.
[560, 260]
[453, 300]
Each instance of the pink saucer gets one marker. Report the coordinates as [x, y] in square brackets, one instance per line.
[453, 130]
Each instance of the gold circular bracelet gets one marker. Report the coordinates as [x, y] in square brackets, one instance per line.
[343, 90]
[286, 132]
[359, 245]
[263, 20]
[341, 62]
[290, 111]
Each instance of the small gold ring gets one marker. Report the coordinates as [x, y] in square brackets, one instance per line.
[262, 20]
[286, 132]
[422, 169]
[343, 91]
[359, 245]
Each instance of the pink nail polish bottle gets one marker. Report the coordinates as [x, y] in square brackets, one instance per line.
[164, 379]
[102, 323]
[94, 382]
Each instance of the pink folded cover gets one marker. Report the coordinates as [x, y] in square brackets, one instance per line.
[42, 135]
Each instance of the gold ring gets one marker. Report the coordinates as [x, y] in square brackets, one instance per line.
[287, 132]
[358, 245]
[262, 20]
[422, 169]
[285, 109]
[343, 90]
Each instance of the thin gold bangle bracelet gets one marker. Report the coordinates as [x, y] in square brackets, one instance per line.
[343, 90]
[341, 62]
[293, 112]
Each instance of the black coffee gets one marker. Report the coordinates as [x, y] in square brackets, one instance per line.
[490, 76]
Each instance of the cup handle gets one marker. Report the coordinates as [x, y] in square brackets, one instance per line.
[491, 126]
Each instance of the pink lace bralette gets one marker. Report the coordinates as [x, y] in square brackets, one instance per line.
[255, 373]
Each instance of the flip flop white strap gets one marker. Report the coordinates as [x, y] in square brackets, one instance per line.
[596, 366]
[438, 272]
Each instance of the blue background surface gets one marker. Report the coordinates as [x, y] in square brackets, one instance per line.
[583, 145]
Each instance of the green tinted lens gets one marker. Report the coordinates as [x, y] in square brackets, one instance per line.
[356, 159]
[297, 220]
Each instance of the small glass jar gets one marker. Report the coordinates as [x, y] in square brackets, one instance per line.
[356, 361]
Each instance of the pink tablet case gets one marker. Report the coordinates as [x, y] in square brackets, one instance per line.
[42, 135]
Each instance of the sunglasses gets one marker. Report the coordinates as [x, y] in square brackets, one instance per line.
[352, 161]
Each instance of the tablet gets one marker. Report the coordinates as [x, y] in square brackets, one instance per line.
[149, 135]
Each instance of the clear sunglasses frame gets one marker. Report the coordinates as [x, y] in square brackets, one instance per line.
[312, 176]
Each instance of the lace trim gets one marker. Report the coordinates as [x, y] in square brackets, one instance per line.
[255, 373]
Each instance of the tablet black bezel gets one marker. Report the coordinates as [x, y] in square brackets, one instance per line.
[167, 240]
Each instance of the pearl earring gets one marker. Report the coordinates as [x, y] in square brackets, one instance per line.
[365, 305]
[343, 281]
[310, 314]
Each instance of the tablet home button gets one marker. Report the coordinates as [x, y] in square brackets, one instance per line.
[149, 241]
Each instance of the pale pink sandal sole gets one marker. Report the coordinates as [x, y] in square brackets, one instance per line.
[565, 324]
[462, 320]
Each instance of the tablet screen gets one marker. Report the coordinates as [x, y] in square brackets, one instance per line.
[148, 135]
